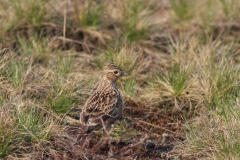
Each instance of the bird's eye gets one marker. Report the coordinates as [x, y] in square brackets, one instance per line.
[115, 72]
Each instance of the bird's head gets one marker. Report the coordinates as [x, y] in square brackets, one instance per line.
[113, 72]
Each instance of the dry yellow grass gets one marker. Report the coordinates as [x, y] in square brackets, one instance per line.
[183, 60]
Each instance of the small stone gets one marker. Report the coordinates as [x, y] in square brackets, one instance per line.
[150, 145]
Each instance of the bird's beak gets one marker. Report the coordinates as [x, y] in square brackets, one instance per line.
[125, 73]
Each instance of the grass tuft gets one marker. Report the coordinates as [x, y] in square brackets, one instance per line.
[35, 125]
[183, 9]
[87, 13]
[215, 135]
[36, 49]
[135, 12]
[8, 137]
[121, 132]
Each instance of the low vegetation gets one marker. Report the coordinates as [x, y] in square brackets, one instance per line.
[182, 93]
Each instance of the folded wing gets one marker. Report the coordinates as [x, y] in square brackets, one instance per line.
[103, 106]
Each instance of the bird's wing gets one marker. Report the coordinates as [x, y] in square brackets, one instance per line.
[100, 106]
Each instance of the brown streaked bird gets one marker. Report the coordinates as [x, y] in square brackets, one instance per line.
[105, 104]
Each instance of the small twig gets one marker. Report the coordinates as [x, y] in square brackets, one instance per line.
[127, 148]
[137, 108]
[137, 122]
[77, 42]
[149, 111]
[70, 40]
[140, 121]
[156, 126]
[65, 21]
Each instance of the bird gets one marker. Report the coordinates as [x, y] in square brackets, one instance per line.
[105, 106]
